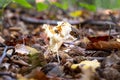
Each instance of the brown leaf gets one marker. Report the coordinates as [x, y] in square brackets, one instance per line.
[99, 38]
[111, 60]
[111, 74]
[103, 45]
[37, 75]
[17, 39]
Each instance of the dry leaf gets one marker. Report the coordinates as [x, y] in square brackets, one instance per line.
[112, 59]
[103, 45]
[37, 1]
[118, 39]
[90, 64]
[111, 74]
[32, 50]
[100, 38]
[2, 40]
[37, 75]
[87, 65]
[76, 13]
[22, 49]
[5, 65]
[89, 70]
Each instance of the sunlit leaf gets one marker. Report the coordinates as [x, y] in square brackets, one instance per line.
[4, 3]
[23, 3]
[88, 6]
[76, 13]
[90, 64]
[87, 65]
[74, 66]
[32, 50]
[65, 5]
[118, 39]
[108, 4]
[57, 4]
[41, 6]
[37, 1]
[62, 6]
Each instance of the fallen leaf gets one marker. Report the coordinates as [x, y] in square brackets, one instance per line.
[89, 64]
[86, 64]
[118, 39]
[31, 50]
[22, 49]
[99, 38]
[103, 45]
[111, 59]
[76, 13]
[2, 40]
[111, 74]
[37, 75]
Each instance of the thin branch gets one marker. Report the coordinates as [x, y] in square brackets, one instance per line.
[7, 74]
[38, 21]
[4, 54]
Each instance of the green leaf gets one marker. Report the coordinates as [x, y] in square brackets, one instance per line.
[65, 5]
[108, 4]
[88, 6]
[41, 6]
[76, 13]
[4, 3]
[57, 4]
[61, 5]
[23, 3]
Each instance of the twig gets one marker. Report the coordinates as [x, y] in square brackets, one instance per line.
[109, 31]
[100, 23]
[6, 48]
[38, 21]
[89, 58]
[4, 54]
[114, 20]
[58, 57]
[7, 74]
[98, 58]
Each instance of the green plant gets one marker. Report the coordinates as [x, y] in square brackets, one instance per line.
[23, 3]
[41, 6]
[90, 7]
[4, 3]
[63, 5]
[108, 4]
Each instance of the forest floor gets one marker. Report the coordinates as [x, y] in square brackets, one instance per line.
[54, 45]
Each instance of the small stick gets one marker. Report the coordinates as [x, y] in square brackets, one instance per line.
[109, 31]
[114, 20]
[98, 58]
[4, 54]
[39, 21]
[7, 74]
[58, 58]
